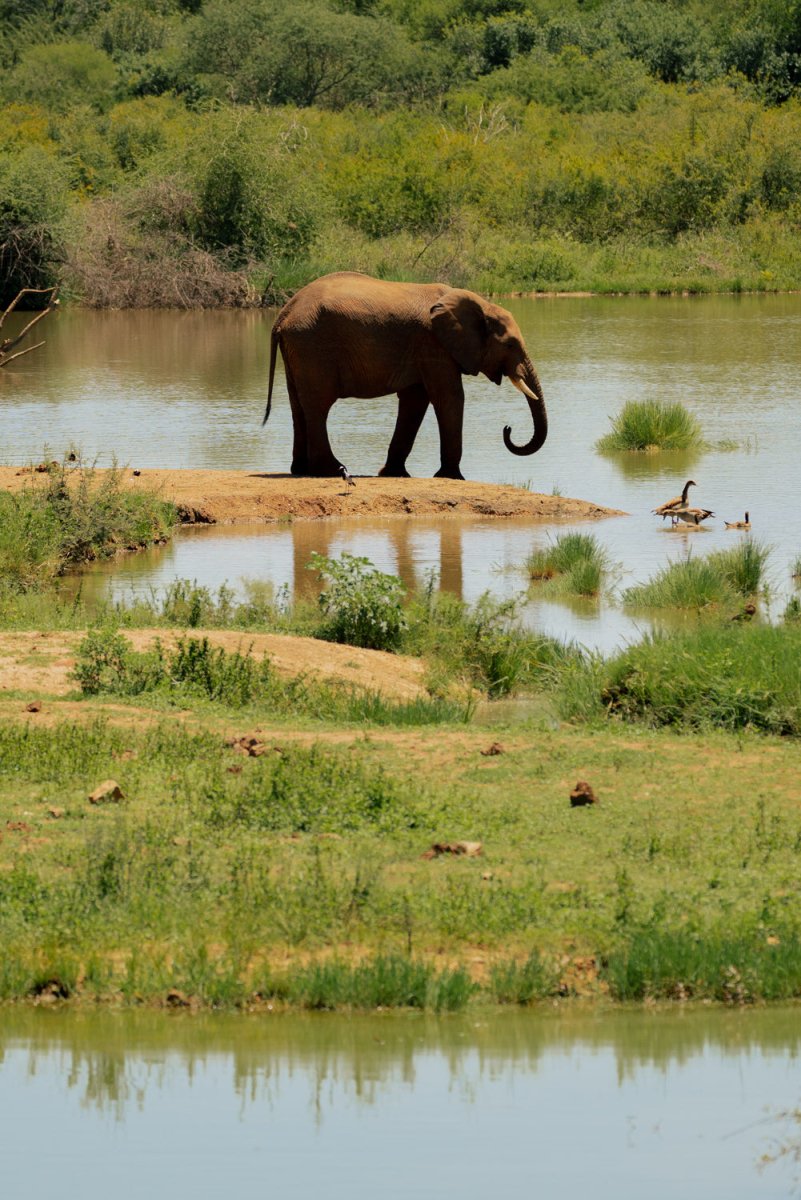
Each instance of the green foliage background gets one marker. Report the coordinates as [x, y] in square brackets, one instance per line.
[223, 151]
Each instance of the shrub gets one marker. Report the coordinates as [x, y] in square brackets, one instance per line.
[362, 605]
[652, 424]
[63, 74]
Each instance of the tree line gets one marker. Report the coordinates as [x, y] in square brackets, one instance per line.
[221, 152]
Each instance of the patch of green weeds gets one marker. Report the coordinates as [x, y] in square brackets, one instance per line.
[715, 580]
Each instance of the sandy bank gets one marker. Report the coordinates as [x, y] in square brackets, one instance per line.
[43, 662]
[228, 497]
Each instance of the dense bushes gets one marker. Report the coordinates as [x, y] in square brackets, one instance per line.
[492, 144]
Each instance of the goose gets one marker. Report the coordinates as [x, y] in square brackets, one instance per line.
[691, 516]
[746, 524]
[668, 508]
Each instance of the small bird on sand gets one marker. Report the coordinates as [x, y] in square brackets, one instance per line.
[691, 516]
[346, 475]
[746, 524]
[669, 507]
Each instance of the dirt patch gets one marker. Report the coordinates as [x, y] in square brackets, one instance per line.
[42, 662]
[230, 497]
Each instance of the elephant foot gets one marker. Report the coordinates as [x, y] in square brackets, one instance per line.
[389, 472]
[445, 473]
[298, 468]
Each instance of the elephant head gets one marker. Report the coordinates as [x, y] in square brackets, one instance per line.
[484, 337]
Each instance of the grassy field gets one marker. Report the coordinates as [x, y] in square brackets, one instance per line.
[297, 876]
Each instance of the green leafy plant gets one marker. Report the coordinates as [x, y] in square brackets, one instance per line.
[362, 605]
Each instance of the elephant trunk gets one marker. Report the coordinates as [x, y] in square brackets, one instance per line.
[528, 383]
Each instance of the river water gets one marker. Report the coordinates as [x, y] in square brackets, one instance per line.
[627, 1105]
[162, 389]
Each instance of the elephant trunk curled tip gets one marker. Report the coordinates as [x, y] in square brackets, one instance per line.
[531, 389]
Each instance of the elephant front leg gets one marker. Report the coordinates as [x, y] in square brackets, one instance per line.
[412, 405]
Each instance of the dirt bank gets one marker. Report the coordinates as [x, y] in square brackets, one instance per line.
[228, 497]
[43, 662]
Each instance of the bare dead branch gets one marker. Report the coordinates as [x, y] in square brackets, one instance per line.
[10, 343]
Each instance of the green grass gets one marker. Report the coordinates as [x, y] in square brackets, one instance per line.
[575, 562]
[297, 879]
[648, 425]
[74, 517]
[730, 676]
[720, 578]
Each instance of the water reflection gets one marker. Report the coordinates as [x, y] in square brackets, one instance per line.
[398, 1104]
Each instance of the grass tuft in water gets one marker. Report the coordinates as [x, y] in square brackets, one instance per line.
[575, 560]
[648, 425]
[717, 579]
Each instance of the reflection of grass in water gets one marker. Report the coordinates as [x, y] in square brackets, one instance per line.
[574, 564]
[718, 579]
[651, 425]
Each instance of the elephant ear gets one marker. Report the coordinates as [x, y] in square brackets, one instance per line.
[460, 326]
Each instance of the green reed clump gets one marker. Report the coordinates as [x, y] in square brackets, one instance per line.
[731, 676]
[74, 516]
[576, 560]
[689, 583]
[735, 967]
[652, 425]
[514, 982]
[385, 982]
[742, 566]
[719, 578]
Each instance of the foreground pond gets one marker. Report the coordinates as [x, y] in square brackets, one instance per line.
[626, 1104]
[188, 390]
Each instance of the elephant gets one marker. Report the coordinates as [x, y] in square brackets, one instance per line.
[347, 334]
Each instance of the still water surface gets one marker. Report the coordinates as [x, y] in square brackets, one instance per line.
[629, 1104]
[188, 390]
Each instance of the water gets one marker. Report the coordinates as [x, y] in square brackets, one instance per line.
[188, 390]
[627, 1104]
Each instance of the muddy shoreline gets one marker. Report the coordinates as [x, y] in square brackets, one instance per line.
[240, 497]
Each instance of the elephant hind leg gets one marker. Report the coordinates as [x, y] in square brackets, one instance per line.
[412, 404]
[300, 453]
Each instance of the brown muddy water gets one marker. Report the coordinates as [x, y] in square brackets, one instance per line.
[162, 389]
[629, 1104]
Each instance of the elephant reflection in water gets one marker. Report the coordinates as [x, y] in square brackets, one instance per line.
[324, 538]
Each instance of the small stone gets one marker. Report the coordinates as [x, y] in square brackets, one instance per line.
[583, 794]
[34, 706]
[137, 473]
[107, 792]
[18, 827]
[491, 751]
[56, 813]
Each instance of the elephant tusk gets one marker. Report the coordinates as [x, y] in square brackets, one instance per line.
[521, 387]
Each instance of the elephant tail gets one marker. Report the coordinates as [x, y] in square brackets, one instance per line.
[273, 353]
